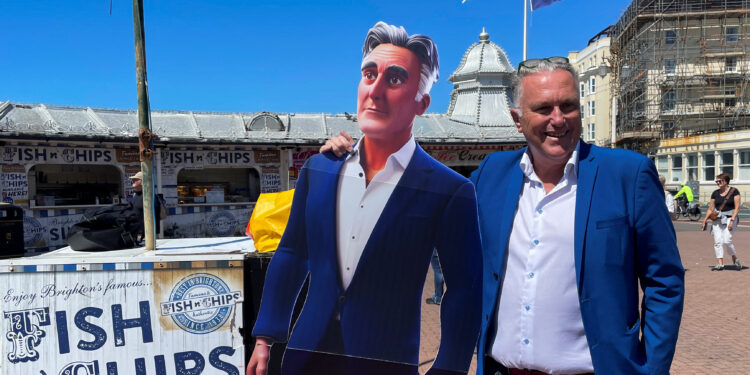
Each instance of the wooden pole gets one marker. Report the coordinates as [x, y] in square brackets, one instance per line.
[144, 132]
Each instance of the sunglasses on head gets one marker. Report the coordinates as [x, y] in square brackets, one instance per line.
[533, 63]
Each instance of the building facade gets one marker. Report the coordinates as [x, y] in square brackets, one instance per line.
[592, 65]
[681, 70]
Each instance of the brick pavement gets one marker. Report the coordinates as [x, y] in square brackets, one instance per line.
[715, 331]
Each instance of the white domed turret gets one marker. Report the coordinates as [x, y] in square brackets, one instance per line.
[482, 86]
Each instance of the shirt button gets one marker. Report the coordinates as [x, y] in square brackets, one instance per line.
[362, 206]
[531, 275]
[527, 307]
[539, 211]
[526, 341]
[495, 274]
[352, 237]
[536, 242]
[361, 174]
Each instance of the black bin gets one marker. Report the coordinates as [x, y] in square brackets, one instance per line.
[11, 231]
[256, 265]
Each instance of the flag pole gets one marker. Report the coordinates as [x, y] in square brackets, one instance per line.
[525, 7]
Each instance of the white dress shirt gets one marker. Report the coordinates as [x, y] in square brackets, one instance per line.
[538, 315]
[359, 205]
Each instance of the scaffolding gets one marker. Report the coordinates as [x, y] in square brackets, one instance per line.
[680, 69]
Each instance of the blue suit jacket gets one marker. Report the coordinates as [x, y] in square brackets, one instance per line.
[623, 235]
[379, 313]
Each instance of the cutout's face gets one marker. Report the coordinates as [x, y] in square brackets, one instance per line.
[550, 117]
[385, 98]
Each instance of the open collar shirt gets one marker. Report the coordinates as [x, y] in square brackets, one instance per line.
[359, 205]
[539, 324]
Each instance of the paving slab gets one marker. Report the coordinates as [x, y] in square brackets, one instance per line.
[715, 330]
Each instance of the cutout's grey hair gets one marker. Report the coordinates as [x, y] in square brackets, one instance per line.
[421, 45]
[544, 66]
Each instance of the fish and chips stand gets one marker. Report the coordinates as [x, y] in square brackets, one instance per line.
[180, 309]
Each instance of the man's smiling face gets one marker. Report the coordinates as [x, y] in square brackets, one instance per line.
[385, 99]
[550, 117]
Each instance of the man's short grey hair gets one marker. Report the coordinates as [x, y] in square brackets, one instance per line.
[421, 45]
[544, 66]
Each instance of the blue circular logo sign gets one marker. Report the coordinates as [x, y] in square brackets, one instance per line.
[200, 303]
[222, 224]
[32, 231]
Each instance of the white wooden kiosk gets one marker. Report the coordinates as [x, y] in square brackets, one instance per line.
[176, 310]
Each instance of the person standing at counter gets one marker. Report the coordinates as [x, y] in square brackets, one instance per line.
[137, 200]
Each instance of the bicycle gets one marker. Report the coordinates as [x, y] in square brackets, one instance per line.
[693, 212]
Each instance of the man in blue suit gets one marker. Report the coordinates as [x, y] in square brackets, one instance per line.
[569, 231]
[363, 227]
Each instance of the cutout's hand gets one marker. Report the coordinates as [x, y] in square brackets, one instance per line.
[339, 144]
[258, 364]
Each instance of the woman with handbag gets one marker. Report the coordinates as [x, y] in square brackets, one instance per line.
[724, 218]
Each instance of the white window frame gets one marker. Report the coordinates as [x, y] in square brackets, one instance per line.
[583, 90]
[670, 67]
[676, 170]
[592, 132]
[669, 100]
[730, 64]
[743, 166]
[691, 167]
[727, 168]
[706, 166]
[592, 108]
[731, 33]
[670, 36]
[592, 85]
[662, 165]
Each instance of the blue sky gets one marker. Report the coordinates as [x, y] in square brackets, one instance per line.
[249, 56]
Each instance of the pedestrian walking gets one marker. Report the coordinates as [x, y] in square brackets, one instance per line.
[725, 219]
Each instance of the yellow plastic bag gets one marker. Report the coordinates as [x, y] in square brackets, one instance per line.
[268, 221]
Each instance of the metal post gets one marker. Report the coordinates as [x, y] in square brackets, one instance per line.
[144, 133]
[525, 7]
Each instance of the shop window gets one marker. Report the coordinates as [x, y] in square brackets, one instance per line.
[661, 165]
[744, 168]
[74, 184]
[218, 185]
[727, 163]
[691, 167]
[709, 166]
[676, 168]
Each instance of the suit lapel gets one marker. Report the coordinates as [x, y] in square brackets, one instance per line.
[587, 170]
[413, 180]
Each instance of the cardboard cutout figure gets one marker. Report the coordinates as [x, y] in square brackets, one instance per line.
[364, 226]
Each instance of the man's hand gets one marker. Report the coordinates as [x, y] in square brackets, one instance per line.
[258, 364]
[339, 144]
